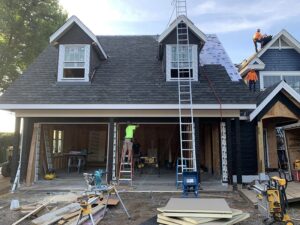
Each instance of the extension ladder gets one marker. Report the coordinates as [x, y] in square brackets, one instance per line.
[126, 167]
[114, 174]
[185, 100]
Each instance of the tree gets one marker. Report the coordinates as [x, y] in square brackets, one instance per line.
[25, 27]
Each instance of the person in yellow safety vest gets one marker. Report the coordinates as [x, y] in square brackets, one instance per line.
[257, 37]
[251, 78]
[127, 146]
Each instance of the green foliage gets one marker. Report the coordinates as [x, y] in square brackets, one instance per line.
[25, 28]
[6, 140]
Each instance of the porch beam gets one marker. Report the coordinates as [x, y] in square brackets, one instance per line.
[238, 154]
[16, 150]
[110, 149]
[260, 147]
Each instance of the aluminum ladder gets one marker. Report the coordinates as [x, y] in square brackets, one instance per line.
[126, 168]
[185, 100]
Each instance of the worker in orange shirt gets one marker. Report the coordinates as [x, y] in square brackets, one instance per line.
[252, 78]
[257, 37]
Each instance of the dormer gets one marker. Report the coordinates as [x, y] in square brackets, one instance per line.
[79, 52]
[168, 49]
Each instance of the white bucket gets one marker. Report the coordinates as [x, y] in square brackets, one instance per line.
[14, 205]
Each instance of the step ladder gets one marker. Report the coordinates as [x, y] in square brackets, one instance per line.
[48, 150]
[126, 167]
[185, 100]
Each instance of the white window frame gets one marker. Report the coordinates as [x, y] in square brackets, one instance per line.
[280, 74]
[56, 140]
[194, 61]
[61, 59]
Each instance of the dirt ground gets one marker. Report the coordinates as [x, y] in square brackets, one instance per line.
[141, 206]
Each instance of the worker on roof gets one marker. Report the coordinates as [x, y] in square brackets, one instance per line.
[127, 146]
[251, 79]
[257, 37]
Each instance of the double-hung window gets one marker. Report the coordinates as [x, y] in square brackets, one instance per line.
[182, 63]
[74, 63]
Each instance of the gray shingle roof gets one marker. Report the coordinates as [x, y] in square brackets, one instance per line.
[131, 75]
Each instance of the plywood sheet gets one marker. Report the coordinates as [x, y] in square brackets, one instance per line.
[232, 221]
[173, 220]
[235, 212]
[199, 215]
[197, 205]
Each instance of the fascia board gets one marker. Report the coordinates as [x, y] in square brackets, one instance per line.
[123, 106]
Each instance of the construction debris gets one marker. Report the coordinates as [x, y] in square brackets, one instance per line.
[187, 211]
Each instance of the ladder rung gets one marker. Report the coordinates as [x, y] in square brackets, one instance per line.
[186, 140]
[186, 123]
[187, 149]
[125, 163]
[124, 179]
[125, 171]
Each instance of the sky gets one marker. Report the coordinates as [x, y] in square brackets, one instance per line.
[234, 21]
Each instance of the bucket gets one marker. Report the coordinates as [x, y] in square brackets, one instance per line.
[14, 205]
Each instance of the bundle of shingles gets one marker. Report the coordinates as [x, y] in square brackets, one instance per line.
[193, 211]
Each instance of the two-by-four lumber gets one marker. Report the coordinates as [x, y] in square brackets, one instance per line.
[31, 213]
[32, 154]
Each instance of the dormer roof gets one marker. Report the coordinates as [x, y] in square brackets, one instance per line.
[188, 22]
[69, 23]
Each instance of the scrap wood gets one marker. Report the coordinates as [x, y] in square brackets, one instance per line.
[31, 213]
[111, 201]
[85, 218]
[57, 214]
[97, 217]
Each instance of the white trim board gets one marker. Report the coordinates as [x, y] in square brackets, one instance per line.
[184, 19]
[281, 86]
[251, 65]
[73, 19]
[123, 106]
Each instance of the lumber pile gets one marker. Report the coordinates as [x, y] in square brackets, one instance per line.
[194, 211]
[70, 214]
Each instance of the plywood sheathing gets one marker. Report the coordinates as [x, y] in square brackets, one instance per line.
[293, 145]
[280, 110]
[196, 205]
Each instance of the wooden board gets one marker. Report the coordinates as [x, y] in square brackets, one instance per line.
[234, 220]
[56, 215]
[174, 220]
[31, 164]
[199, 215]
[235, 212]
[197, 205]
[31, 213]
[111, 201]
